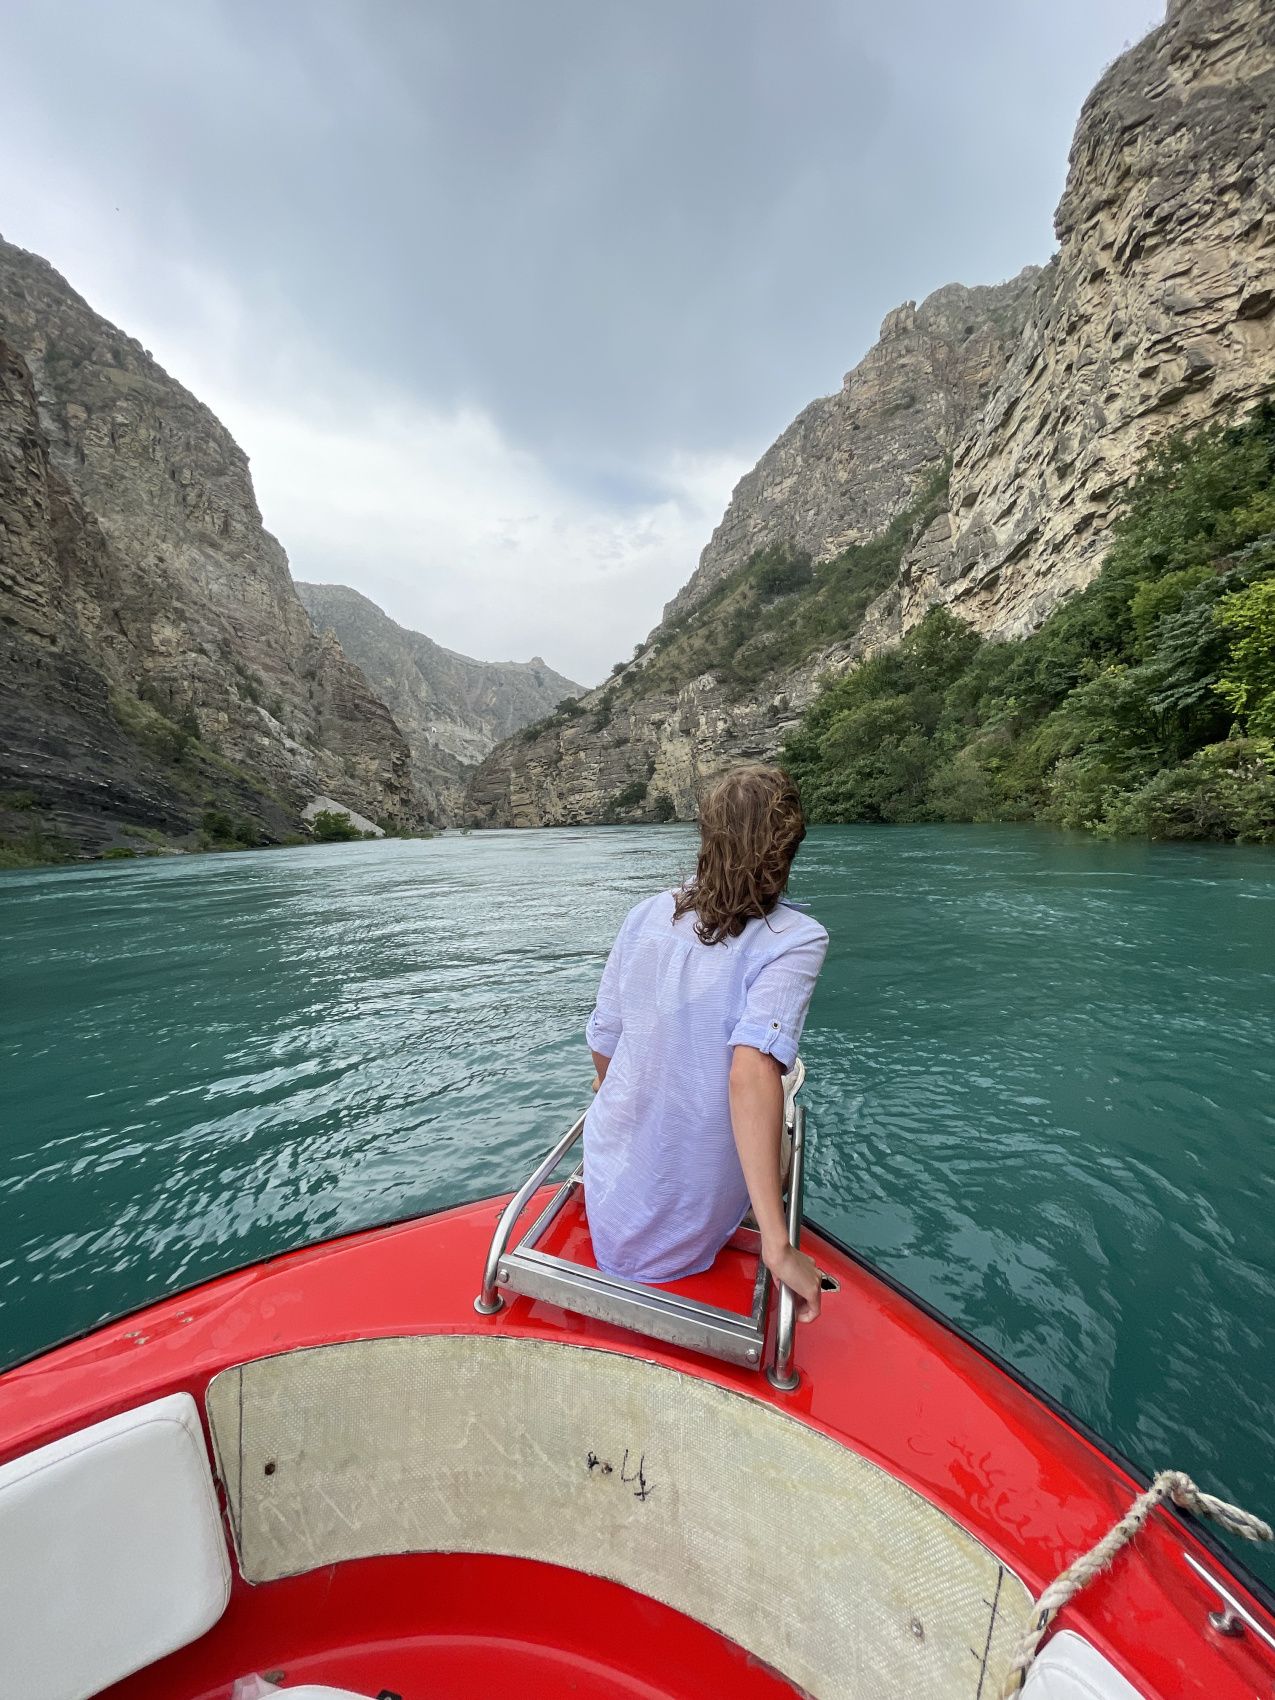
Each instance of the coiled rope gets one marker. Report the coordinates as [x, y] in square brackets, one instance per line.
[1169, 1484]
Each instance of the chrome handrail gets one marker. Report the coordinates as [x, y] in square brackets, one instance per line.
[779, 1372]
[526, 1270]
[489, 1300]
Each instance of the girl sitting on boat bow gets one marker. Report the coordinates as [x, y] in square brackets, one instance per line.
[698, 1016]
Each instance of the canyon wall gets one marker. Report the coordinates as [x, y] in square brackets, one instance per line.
[452, 709]
[850, 461]
[1155, 315]
[160, 664]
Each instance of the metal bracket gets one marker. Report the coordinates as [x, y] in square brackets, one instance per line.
[1234, 1618]
[781, 1373]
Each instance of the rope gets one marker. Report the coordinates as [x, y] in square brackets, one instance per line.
[1169, 1484]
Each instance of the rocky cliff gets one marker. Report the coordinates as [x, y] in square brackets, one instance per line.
[159, 663]
[849, 465]
[452, 710]
[1155, 315]
[851, 461]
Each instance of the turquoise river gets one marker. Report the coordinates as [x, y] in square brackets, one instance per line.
[1040, 1082]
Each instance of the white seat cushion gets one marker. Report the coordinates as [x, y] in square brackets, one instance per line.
[310, 1693]
[318, 1694]
[1070, 1669]
[111, 1552]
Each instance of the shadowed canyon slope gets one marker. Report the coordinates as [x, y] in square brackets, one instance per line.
[1157, 314]
[158, 664]
[452, 710]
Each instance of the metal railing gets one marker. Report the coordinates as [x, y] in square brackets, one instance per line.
[489, 1300]
[731, 1335]
[780, 1372]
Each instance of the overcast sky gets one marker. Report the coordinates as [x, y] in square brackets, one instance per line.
[502, 296]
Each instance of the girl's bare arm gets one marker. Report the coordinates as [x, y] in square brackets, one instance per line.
[757, 1117]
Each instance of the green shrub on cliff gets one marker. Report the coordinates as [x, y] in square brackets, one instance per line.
[222, 831]
[333, 826]
[569, 709]
[36, 846]
[629, 797]
[1247, 617]
[780, 608]
[1118, 714]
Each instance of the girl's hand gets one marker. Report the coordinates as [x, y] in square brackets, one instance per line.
[794, 1269]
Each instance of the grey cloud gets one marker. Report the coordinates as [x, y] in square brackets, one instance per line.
[613, 224]
[630, 238]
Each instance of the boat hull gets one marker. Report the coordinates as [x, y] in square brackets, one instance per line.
[882, 1380]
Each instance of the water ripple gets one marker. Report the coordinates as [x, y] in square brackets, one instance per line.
[1040, 1082]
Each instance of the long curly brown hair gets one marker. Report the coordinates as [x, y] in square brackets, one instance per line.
[750, 824]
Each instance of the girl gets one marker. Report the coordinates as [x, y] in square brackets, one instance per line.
[698, 1017]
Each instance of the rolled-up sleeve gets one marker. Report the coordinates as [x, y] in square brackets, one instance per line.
[603, 1028]
[777, 998]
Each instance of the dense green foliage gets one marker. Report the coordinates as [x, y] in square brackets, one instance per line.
[1144, 705]
[221, 831]
[36, 847]
[630, 797]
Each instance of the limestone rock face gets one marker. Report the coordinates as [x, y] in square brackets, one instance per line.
[846, 467]
[851, 461]
[132, 539]
[1156, 314]
[452, 710]
[665, 744]
[75, 766]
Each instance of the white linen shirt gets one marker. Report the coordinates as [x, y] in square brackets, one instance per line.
[663, 1186]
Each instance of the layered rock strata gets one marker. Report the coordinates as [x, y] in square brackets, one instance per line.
[81, 762]
[1157, 315]
[851, 461]
[132, 553]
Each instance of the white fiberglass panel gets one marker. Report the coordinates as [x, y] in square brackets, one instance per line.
[1068, 1668]
[722, 1507]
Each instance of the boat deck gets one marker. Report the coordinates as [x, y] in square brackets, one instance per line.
[879, 1375]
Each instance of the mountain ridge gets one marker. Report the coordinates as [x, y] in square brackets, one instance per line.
[452, 708]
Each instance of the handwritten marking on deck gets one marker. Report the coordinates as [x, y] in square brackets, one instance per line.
[637, 1479]
[644, 1488]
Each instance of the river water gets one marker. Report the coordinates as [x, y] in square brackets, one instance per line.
[1040, 1082]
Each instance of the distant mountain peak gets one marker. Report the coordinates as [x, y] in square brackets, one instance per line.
[452, 708]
